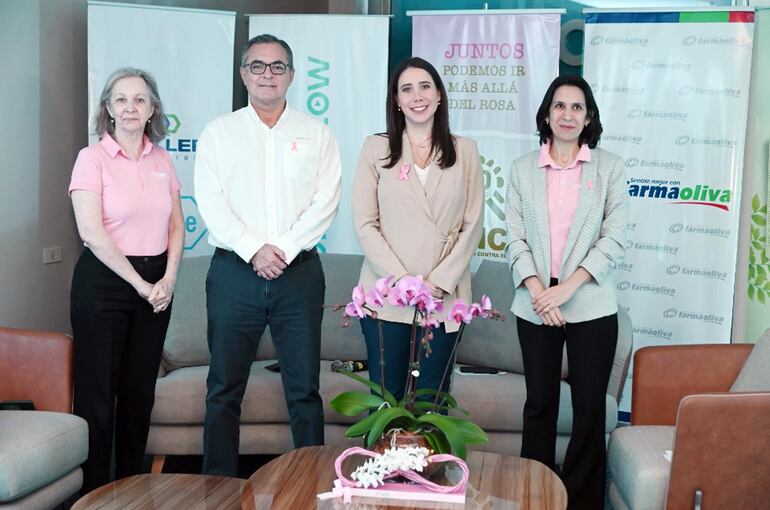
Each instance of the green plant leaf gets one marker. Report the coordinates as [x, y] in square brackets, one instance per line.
[351, 403]
[754, 232]
[759, 219]
[473, 433]
[756, 245]
[751, 292]
[761, 296]
[449, 429]
[384, 417]
[761, 277]
[755, 203]
[388, 396]
[763, 209]
[437, 441]
[752, 259]
[425, 407]
[752, 271]
[767, 287]
[363, 425]
[763, 257]
[449, 399]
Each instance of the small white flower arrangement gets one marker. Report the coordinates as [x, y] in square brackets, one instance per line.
[373, 472]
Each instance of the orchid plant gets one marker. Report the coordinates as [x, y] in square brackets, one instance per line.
[444, 433]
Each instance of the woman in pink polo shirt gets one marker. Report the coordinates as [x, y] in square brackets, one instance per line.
[126, 198]
[566, 212]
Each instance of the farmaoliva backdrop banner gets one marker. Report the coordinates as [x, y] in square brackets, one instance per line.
[673, 90]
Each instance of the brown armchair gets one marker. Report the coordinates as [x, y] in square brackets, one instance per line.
[40, 451]
[710, 405]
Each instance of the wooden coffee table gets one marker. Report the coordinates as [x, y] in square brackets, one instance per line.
[293, 481]
[166, 492]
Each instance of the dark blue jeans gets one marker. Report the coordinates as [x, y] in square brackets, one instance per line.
[240, 304]
[396, 338]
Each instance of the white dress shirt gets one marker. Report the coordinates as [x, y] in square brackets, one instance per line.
[257, 185]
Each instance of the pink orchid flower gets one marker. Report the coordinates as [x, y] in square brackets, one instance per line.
[482, 309]
[383, 285]
[429, 321]
[356, 307]
[374, 298]
[408, 291]
[460, 312]
[404, 175]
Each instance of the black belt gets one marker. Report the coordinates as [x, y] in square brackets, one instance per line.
[301, 257]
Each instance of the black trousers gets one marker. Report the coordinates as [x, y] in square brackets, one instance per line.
[590, 354]
[118, 341]
[240, 304]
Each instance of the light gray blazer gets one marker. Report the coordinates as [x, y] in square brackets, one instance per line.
[596, 240]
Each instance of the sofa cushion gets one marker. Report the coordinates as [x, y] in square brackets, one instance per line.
[38, 447]
[639, 470]
[186, 343]
[755, 376]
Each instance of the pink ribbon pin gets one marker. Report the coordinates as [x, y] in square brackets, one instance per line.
[404, 175]
[590, 185]
[293, 146]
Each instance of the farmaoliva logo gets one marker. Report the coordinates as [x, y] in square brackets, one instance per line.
[597, 40]
[673, 269]
[689, 40]
[673, 191]
[670, 313]
[317, 99]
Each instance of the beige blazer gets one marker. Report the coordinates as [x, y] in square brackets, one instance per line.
[407, 229]
[596, 239]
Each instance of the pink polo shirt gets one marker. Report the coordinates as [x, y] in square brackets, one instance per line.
[136, 194]
[563, 188]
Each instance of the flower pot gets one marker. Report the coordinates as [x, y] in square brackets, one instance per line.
[400, 439]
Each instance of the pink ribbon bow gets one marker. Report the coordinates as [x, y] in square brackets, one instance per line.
[404, 175]
[590, 185]
[293, 146]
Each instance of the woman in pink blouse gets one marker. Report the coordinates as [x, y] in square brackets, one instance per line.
[566, 213]
[126, 199]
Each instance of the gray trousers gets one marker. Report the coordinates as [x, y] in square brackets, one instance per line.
[240, 304]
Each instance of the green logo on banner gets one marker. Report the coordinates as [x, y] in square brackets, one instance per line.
[318, 101]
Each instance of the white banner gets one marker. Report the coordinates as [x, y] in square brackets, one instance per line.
[190, 54]
[340, 78]
[496, 68]
[672, 88]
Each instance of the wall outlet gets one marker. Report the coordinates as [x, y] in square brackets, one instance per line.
[52, 255]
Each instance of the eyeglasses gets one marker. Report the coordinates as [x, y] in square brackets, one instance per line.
[276, 67]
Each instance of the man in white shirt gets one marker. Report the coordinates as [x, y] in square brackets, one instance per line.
[267, 183]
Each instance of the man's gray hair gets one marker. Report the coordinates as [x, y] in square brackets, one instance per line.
[266, 39]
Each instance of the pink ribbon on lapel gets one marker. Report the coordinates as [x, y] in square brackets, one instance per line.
[590, 184]
[404, 175]
[294, 146]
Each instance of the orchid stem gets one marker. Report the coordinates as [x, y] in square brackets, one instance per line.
[409, 376]
[449, 363]
[382, 358]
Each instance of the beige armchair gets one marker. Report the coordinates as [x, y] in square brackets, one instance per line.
[40, 451]
[710, 405]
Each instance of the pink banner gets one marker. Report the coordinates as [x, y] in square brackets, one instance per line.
[496, 68]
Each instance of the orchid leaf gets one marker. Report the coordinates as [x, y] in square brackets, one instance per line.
[362, 426]
[384, 417]
[425, 407]
[351, 403]
[388, 396]
[472, 433]
[438, 442]
[450, 431]
[449, 400]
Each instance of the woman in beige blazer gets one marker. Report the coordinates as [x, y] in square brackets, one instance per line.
[417, 208]
[566, 212]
